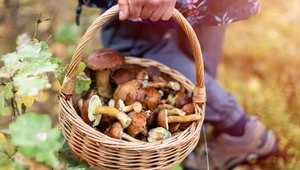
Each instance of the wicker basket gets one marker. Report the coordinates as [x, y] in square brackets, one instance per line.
[105, 152]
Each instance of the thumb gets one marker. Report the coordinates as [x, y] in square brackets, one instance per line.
[124, 9]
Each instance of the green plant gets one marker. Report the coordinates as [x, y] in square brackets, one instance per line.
[30, 142]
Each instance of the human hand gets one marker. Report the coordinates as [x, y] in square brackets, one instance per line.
[146, 9]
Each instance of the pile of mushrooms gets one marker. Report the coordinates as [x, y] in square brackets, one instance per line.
[132, 103]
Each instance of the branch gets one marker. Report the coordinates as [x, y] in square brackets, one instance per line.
[39, 21]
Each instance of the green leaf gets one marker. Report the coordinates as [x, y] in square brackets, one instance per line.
[35, 138]
[6, 151]
[22, 39]
[34, 50]
[32, 86]
[81, 68]
[5, 93]
[82, 83]
[11, 64]
[6, 90]
[60, 74]
[4, 73]
[37, 67]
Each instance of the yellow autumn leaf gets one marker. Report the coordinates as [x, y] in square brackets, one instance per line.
[29, 100]
[5, 146]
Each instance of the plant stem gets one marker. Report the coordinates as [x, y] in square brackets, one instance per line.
[14, 105]
[38, 21]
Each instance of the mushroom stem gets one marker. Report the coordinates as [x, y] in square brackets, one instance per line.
[124, 119]
[175, 111]
[116, 131]
[183, 119]
[170, 100]
[158, 85]
[172, 110]
[166, 106]
[103, 83]
[129, 138]
[136, 106]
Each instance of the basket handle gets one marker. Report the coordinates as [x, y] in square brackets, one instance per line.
[69, 81]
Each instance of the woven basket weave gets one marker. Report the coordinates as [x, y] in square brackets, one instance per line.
[105, 152]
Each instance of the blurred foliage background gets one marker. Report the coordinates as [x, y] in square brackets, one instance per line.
[259, 66]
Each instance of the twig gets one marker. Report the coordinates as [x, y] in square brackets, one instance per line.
[39, 21]
[48, 38]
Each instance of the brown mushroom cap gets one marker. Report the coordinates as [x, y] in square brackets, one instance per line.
[181, 99]
[123, 89]
[123, 75]
[154, 73]
[84, 111]
[188, 109]
[104, 58]
[116, 131]
[138, 124]
[162, 119]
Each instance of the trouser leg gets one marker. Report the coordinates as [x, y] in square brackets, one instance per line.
[157, 43]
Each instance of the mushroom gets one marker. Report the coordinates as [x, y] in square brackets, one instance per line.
[181, 98]
[123, 89]
[138, 124]
[103, 61]
[136, 106]
[170, 100]
[163, 119]
[96, 110]
[172, 110]
[116, 131]
[154, 74]
[149, 98]
[142, 77]
[158, 85]
[152, 118]
[84, 111]
[132, 85]
[122, 75]
[188, 109]
[104, 122]
[157, 134]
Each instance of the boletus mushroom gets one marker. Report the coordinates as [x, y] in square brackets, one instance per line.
[157, 134]
[116, 131]
[188, 109]
[149, 98]
[132, 85]
[122, 75]
[163, 119]
[138, 124]
[103, 62]
[96, 110]
[135, 106]
[154, 74]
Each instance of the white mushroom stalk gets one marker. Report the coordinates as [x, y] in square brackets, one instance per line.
[96, 110]
[136, 106]
[158, 85]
